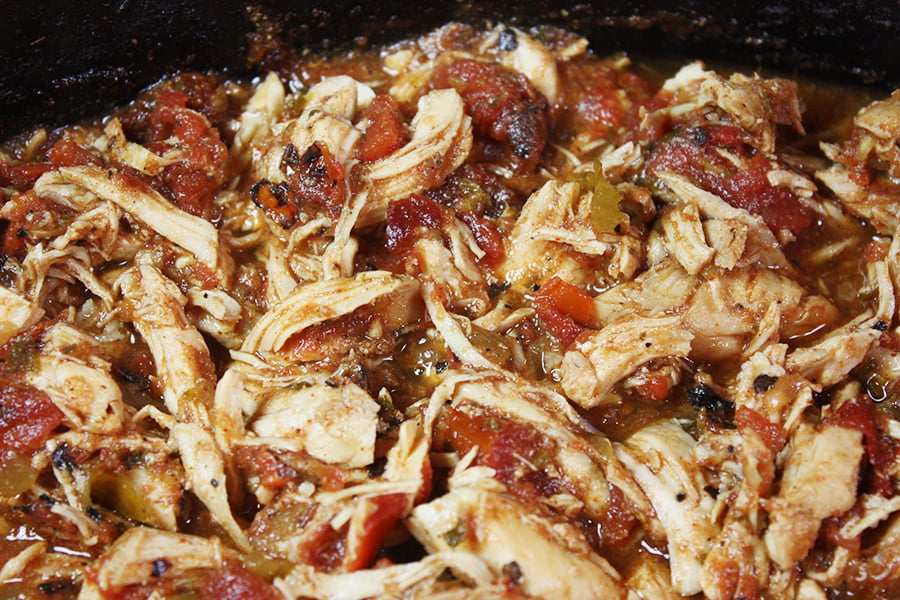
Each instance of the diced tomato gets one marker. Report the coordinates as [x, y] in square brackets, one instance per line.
[234, 581]
[601, 98]
[487, 237]
[257, 461]
[504, 445]
[557, 322]
[385, 129]
[64, 153]
[383, 512]
[27, 417]
[191, 182]
[193, 189]
[325, 550]
[571, 300]
[654, 388]
[603, 109]
[565, 309]
[67, 153]
[619, 521]
[773, 435]
[504, 107]
[405, 217]
[693, 153]
[22, 176]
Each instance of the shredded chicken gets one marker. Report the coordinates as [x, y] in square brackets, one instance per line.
[477, 315]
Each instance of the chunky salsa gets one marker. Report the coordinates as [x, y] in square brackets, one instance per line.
[479, 314]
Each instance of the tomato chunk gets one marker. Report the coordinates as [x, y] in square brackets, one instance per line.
[236, 582]
[504, 444]
[405, 217]
[693, 152]
[859, 413]
[487, 237]
[772, 434]
[383, 513]
[565, 309]
[385, 129]
[504, 107]
[27, 417]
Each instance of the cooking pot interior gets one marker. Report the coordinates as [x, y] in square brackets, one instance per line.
[63, 61]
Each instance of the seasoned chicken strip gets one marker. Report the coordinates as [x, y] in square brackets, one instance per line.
[599, 359]
[662, 459]
[501, 532]
[819, 481]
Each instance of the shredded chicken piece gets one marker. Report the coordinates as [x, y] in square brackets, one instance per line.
[534, 60]
[197, 236]
[335, 424]
[16, 313]
[132, 560]
[384, 296]
[441, 140]
[181, 355]
[601, 358]
[819, 481]
[75, 377]
[662, 459]
[500, 532]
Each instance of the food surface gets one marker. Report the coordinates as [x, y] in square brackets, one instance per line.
[477, 315]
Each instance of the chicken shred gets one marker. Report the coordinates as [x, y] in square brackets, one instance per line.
[480, 314]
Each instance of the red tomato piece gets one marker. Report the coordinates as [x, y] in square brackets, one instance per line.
[385, 129]
[234, 581]
[564, 309]
[487, 237]
[27, 417]
[384, 512]
[404, 217]
[504, 107]
[773, 435]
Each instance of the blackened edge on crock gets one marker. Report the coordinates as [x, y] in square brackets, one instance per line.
[61, 60]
